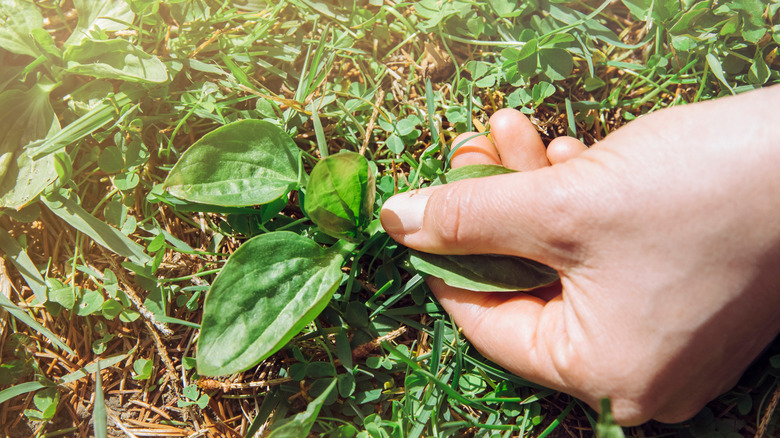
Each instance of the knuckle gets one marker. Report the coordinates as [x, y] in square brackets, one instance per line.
[449, 224]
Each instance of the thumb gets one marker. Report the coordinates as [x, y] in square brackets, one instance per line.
[529, 214]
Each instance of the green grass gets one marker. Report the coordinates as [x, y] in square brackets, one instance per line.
[110, 266]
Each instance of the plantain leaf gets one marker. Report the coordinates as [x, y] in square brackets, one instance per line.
[249, 162]
[269, 289]
[484, 272]
[114, 59]
[18, 19]
[340, 195]
[99, 15]
[25, 116]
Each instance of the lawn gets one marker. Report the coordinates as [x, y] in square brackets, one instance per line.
[145, 143]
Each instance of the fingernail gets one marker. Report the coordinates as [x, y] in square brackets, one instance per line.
[403, 213]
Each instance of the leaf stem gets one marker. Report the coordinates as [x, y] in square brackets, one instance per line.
[344, 247]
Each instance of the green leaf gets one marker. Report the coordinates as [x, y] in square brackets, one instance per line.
[111, 309]
[104, 15]
[62, 294]
[395, 144]
[99, 408]
[640, 9]
[111, 160]
[506, 8]
[556, 64]
[89, 302]
[19, 19]
[475, 171]
[301, 424]
[69, 210]
[717, 70]
[22, 388]
[25, 116]
[22, 316]
[244, 163]
[759, 71]
[143, 369]
[93, 367]
[606, 426]
[340, 195]
[114, 59]
[11, 248]
[542, 91]
[46, 401]
[269, 289]
[98, 116]
[484, 272]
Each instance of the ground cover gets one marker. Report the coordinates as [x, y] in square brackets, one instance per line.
[107, 257]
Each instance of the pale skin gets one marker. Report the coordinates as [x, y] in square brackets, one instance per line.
[666, 236]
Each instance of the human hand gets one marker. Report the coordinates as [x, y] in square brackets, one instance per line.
[666, 238]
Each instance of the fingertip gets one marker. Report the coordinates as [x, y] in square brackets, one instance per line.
[472, 148]
[517, 140]
[562, 149]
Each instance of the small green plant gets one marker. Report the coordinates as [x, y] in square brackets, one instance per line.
[143, 369]
[192, 396]
[278, 282]
[45, 401]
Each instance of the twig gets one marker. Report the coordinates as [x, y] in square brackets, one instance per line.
[118, 423]
[770, 410]
[128, 290]
[148, 315]
[211, 384]
[379, 98]
[163, 354]
[363, 350]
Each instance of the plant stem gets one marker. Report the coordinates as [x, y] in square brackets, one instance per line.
[344, 247]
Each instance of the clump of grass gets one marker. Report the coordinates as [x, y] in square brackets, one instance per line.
[99, 100]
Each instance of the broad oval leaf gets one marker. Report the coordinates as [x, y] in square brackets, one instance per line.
[20, 18]
[245, 163]
[340, 195]
[269, 289]
[114, 59]
[25, 116]
[484, 272]
[99, 16]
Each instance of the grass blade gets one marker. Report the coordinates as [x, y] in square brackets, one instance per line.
[322, 144]
[91, 368]
[22, 316]
[99, 409]
[431, 112]
[22, 388]
[103, 234]
[96, 118]
[23, 264]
